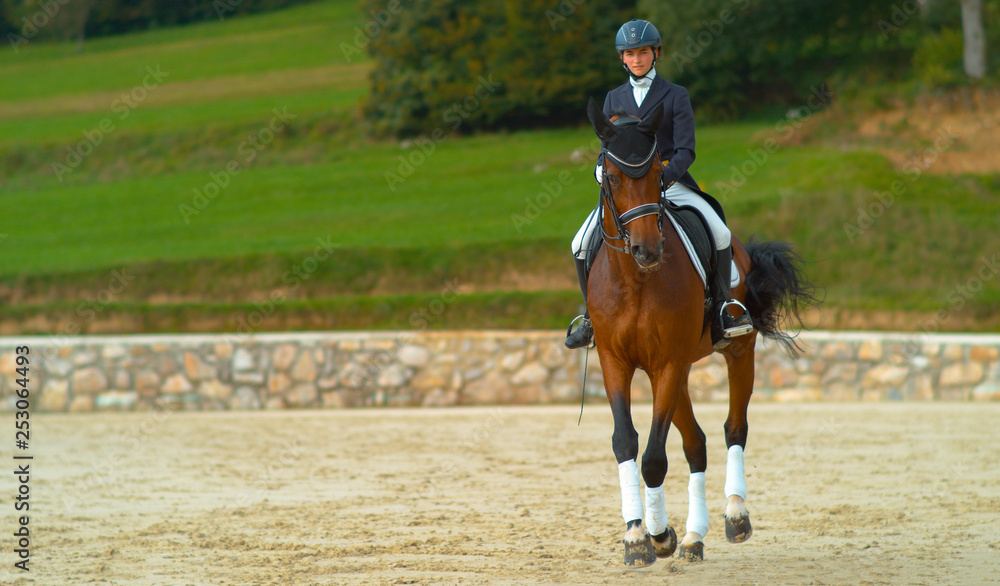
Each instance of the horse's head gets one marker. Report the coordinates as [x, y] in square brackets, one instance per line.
[631, 186]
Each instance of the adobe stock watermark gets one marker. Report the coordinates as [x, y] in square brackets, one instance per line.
[106, 471]
[377, 22]
[87, 311]
[711, 30]
[93, 137]
[901, 14]
[913, 169]
[421, 320]
[32, 25]
[287, 458]
[955, 299]
[470, 445]
[302, 271]
[562, 12]
[806, 448]
[819, 98]
[247, 151]
[426, 144]
[541, 200]
[550, 191]
[224, 8]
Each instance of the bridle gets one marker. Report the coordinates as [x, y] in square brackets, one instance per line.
[634, 170]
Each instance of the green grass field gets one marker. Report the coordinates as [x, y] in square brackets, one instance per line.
[99, 172]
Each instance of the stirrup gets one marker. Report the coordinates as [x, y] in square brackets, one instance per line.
[738, 330]
[585, 322]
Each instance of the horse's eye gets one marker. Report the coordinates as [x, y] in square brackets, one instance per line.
[612, 180]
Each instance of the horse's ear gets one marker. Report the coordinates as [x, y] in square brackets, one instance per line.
[651, 123]
[602, 126]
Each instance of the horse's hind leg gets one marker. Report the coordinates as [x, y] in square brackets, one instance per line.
[692, 547]
[739, 358]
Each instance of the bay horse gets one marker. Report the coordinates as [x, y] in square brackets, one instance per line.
[648, 309]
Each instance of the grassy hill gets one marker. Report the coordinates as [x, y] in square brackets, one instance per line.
[197, 178]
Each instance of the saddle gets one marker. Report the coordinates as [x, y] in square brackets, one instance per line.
[696, 237]
[694, 233]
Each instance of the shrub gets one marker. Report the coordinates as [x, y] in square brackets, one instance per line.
[450, 66]
[938, 58]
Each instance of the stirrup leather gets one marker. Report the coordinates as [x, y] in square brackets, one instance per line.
[739, 330]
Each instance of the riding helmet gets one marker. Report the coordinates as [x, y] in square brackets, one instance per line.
[637, 33]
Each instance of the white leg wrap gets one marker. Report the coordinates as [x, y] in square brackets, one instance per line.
[628, 478]
[656, 511]
[697, 507]
[736, 483]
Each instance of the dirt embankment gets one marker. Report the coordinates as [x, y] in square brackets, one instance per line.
[943, 133]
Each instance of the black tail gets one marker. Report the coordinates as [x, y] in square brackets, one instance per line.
[777, 290]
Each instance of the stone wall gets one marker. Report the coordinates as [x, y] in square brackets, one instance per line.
[339, 370]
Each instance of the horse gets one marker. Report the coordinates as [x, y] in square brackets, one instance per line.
[648, 309]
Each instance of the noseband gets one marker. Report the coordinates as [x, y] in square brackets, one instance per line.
[635, 171]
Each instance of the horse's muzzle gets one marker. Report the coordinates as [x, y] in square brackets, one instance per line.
[645, 257]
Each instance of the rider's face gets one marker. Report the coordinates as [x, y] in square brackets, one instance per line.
[639, 61]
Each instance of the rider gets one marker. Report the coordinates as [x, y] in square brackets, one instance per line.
[639, 46]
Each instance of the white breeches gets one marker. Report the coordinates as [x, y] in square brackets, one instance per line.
[677, 193]
[583, 235]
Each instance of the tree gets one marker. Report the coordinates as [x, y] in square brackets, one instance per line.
[734, 55]
[71, 21]
[974, 54]
[459, 66]
[62, 20]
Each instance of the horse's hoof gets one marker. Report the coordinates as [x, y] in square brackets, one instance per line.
[692, 553]
[665, 543]
[640, 554]
[738, 529]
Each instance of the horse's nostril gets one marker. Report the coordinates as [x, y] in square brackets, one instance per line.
[643, 255]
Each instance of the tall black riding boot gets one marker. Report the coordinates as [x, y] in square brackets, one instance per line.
[583, 335]
[724, 325]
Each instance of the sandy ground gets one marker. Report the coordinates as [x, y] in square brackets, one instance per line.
[839, 494]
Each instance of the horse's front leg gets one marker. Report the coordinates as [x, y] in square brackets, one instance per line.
[654, 470]
[625, 443]
[739, 359]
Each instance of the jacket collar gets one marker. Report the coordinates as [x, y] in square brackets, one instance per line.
[653, 98]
